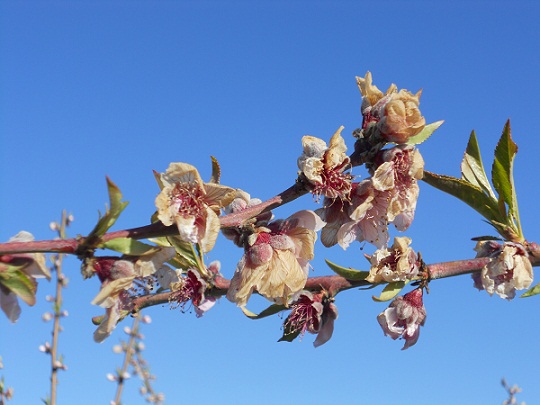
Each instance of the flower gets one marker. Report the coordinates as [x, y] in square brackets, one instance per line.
[117, 278]
[395, 116]
[275, 260]
[323, 166]
[313, 313]
[404, 317]
[26, 267]
[191, 204]
[193, 287]
[399, 263]
[508, 270]
[399, 171]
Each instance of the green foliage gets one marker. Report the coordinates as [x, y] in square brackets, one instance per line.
[390, 291]
[424, 134]
[16, 281]
[347, 272]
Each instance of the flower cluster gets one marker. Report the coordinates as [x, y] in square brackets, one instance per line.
[399, 263]
[509, 269]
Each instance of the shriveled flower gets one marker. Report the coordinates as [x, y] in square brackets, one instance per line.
[399, 263]
[275, 260]
[192, 287]
[313, 313]
[394, 115]
[368, 213]
[117, 278]
[242, 201]
[403, 318]
[509, 269]
[32, 265]
[399, 171]
[191, 204]
[323, 166]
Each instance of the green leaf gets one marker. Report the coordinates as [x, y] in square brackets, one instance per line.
[424, 134]
[271, 310]
[502, 174]
[289, 336]
[129, 246]
[20, 284]
[390, 291]
[533, 291]
[347, 272]
[472, 168]
[468, 193]
[185, 254]
[110, 217]
[216, 171]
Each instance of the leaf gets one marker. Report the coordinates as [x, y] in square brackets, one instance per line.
[533, 291]
[129, 246]
[347, 272]
[390, 291]
[468, 193]
[216, 171]
[185, 254]
[502, 174]
[110, 217]
[472, 168]
[424, 134]
[289, 336]
[19, 284]
[271, 310]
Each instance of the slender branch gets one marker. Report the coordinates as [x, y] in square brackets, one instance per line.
[130, 350]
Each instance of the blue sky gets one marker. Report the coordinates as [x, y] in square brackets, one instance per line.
[118, 89]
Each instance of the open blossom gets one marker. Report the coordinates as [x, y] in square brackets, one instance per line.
[399, 263]
[276, 259]
[404, 317]
[191, 204]
[313, 313]
[394, 115]
[192, 287]
[117, 277]
[399, 171]
[508, 271]
[32, 265]
[323, 166]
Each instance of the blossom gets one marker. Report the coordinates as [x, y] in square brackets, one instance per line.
[313, 313]
[404, 317]
[323, 166]
[508, 270]
[399, 263]
[117, 278]
[394, 115]
[191, 204]
[31, 265]
[275, 260]
[399, 171]
[193, 287]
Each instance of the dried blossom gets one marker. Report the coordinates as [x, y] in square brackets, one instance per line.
[508, 270]
[404, 317]
[192, 287]
[323, 166]
[399, 263]
[191, 204]
[275, 260]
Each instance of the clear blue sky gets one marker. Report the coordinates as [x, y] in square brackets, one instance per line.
[89, 89]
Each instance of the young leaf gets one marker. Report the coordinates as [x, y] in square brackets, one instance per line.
[390, 291]
[533, 291]
[129, 246]
[216, 171]
[347, 272]
[424, 134]
[20, 284]
[503, 176]
[468, 193]
[472, 168]
[271, 310]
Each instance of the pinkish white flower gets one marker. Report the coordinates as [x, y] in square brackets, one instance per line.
[275, 262]
[403, 318]
[313, 313]
[509, 269]
[323, 166]
[399, 263]
[191, 204]
[32, 265]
